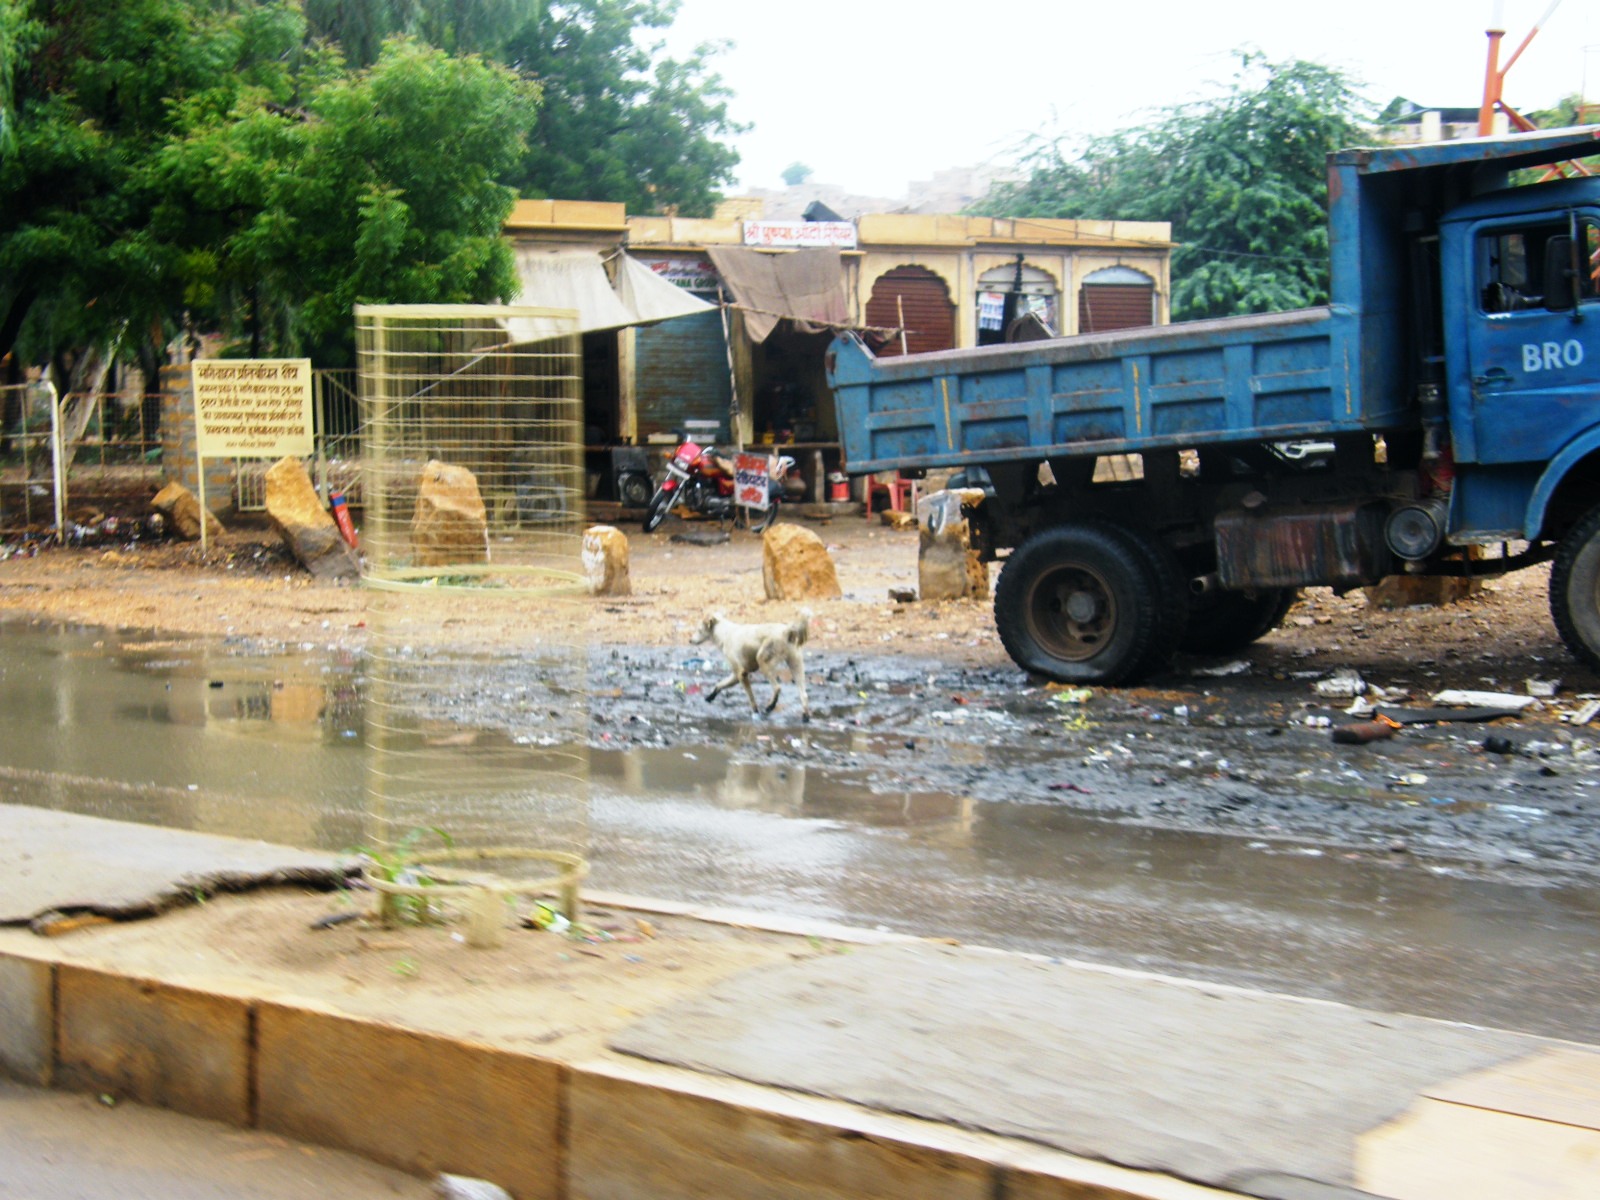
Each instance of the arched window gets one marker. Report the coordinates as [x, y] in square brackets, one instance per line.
[1002, 298]
[921, 298]
[1116, 298]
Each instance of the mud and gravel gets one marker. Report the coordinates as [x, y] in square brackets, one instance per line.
[920, 697]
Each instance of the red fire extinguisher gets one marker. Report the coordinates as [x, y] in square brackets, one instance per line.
[341, 518]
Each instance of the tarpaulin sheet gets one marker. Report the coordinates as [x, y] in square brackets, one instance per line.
[803, 286]
[576, 281]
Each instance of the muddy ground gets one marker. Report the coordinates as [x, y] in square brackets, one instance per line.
[921, 697]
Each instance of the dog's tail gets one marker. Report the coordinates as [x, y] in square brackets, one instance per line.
[800, 628]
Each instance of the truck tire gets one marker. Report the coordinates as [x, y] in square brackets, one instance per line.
[1575, 589]
[1221, 622]
[1079, 603]
[1172, 601]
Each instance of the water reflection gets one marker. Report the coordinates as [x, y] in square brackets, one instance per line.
[191, 735]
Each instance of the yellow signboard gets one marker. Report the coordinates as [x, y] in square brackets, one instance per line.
[252, 408]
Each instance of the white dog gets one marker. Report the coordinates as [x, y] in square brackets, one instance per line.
[764, 648]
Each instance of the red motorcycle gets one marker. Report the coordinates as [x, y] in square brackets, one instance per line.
[699, 480]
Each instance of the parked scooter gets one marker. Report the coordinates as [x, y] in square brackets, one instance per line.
[699, 480]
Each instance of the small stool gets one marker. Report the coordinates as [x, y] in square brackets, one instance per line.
[902, 492]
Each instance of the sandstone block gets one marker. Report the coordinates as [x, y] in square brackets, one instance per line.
[182, 511]
[948, 568]
[1406, 591]
[605, 561]
[795, 565]
[450, 524]
[297, 514]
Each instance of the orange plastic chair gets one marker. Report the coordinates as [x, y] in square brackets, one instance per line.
[902, 492]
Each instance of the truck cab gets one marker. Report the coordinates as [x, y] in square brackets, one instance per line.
[1522, 344]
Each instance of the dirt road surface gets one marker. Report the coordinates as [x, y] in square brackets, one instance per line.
[921, 696]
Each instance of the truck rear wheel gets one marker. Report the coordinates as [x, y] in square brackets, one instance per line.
[1221, 622]
[1079, 603]
[1575, 589]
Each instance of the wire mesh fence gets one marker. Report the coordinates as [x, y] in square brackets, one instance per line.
[112, 446]
[472, 536]
[336, 430]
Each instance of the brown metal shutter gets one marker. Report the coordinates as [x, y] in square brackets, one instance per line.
[930, 318]
[1103, 307]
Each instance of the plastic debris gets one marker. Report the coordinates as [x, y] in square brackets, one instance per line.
[1081, 695]
[1542, 689]
[1345, 683]
[1470, 699]
[462, 1187]
[1584, 714]
[1237, 667]
[545, 917]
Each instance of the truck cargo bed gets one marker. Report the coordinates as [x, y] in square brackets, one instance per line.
[1257, 378]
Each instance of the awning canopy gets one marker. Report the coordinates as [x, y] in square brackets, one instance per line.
[577, 280]
[803, 286]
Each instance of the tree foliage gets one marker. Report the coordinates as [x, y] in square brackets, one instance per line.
[263, 165]
[1241, 176]
[383, 188]
[621, 122]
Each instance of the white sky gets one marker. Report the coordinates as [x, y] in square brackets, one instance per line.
[872, 94]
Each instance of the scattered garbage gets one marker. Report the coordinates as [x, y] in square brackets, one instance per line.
[1584, 714]
[1469, 699]
[1345, 683]
[330, 920]
[1541, 689]
[902, 595]
[1237, 667]
[1081, 695]
[1497, 743]
[463, 1187]
[1366, 731]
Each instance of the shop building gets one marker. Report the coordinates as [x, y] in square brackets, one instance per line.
[763, 300]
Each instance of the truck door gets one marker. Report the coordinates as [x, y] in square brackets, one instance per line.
[1534, 359]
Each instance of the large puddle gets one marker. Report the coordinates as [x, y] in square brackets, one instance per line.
[205, 736]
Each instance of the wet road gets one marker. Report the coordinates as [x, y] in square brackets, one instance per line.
[1198, 834]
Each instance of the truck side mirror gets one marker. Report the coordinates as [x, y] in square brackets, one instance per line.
[1560, 274]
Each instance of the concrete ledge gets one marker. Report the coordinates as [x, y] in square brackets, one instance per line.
[420, 1102]
[542, 1129]
[27, 1020]
[171, 1047]
[634, 1140]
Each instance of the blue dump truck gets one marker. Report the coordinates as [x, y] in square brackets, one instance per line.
[1440, 417]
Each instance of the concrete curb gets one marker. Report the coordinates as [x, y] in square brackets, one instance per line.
[543, 1129]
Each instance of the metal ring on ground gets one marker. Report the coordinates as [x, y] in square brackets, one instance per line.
[424, 579]
[565, 882]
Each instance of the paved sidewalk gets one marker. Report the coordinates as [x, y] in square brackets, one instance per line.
[56, 1145]
[873, 1066]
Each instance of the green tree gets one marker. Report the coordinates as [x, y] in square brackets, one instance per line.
[796, 173]
[360, 27]
[382, 189]
[93, 94]
[1241, 176]
[621, 122]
